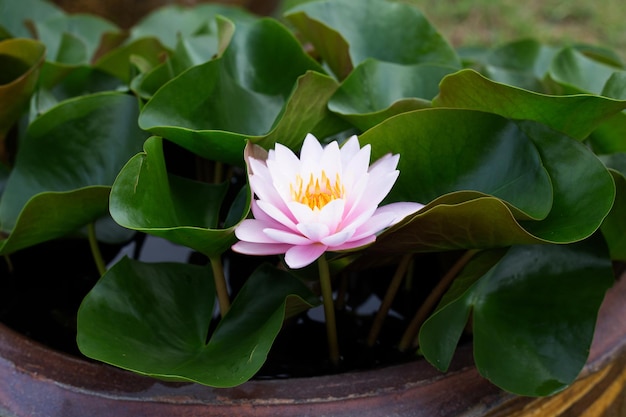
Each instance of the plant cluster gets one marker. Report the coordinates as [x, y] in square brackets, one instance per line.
[516, 153]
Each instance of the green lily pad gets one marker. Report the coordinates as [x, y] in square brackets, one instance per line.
[541, 186]
[377, 90]
[576, 116]
[20, 60]
[16, 14]
[336, 30]
[250, 92]
[154, 319]
[68, 152]
[145, 197]
[537, 306]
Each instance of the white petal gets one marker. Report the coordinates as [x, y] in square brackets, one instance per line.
[350, 149]
[311, 148]
[250, 248]
[332, 214]
[314, 231]
[374, 224]
[301, 256]
[283, 236]
[301, 213]
[400, 210]
[386, 163]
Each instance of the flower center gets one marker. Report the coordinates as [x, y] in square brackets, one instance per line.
[317, 192]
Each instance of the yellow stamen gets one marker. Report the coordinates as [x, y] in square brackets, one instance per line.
[317, 192]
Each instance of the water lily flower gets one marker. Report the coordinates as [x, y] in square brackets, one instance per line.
[326, 200]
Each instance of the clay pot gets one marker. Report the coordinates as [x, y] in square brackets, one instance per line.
[37, 381]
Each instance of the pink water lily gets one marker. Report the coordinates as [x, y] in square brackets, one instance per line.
[326, 200]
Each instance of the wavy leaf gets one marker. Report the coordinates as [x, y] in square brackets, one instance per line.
[154, 319]
[537, 306]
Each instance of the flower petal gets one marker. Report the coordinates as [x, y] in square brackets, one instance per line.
[251, 230]
[283, 236]
[338, 238]
[301, 256]
[260, 249]
[354, 244]
[314, 231]
[282, 217]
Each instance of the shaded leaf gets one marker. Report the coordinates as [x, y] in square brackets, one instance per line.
[154, 318]
[146, 198]
[251, 92]
[578, 73]
[377, 90]
[576, 116]
[409, 37]
[67, 151]
[536, 307]
[20, 60]
[547, 187]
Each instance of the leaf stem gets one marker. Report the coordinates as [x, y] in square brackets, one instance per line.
[385, 306]
[220, 284]
[95, 249]
[409, 338]
[329, 310]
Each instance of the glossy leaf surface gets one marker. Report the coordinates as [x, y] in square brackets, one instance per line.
[250, 92]
[66, 151]
[154, 319]
[336, 29]
[576, 116]
[146, 198]
[572, 191]
[536, 307]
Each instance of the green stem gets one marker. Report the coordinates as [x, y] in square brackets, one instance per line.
[409, 338]
[329, 310]
[95, 249]
[385, 306]
[220, 284]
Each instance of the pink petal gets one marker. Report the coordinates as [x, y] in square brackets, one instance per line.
[350, 149]
[251, 230]
[301, 213]
[373, 225]
[385, 163]
[282, 236]
[354, 244]
[260, 249]
[276, 214]
[301, 256]
[311, 148]
[338, 238]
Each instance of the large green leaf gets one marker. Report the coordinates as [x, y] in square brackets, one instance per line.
[609, 137]
[154, 319]
[346, 33]
[575, 72]
[70, 150]
[16, 15]
[253, 91]
[614, 226]
[377, 90]
[73, 39]
[20, 60]
[576, 116]
[536, 307]
[541, 186]
[171, 23]
[144, 197]
[522, 63]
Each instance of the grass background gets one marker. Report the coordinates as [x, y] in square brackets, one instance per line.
[492, 22]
